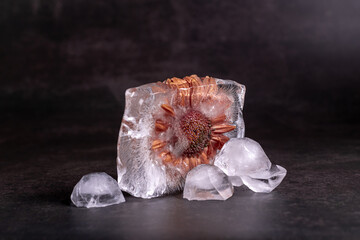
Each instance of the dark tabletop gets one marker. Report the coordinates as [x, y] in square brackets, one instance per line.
[318, 199]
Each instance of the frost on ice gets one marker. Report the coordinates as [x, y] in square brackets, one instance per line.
[96, 190]
[207, 182]
[245, 162]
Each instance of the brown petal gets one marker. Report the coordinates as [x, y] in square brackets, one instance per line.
[204, 158]
[222, 128]
[198, 161]
[167, 157]
[211, 151]
[177, 161]
[198, 92]
[168, 109]
[183, 90]
[183, 97]
[176, 83]
[164, 153]
[185, 161]
[193, 162]
[211, 83]
[220, 140]
[157, 144]
[160, 125]
[193, 80]
[218, 119]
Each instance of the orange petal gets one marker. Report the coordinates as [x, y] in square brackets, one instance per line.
[183, 97]
[157, 144]
[197, 89]
[198, 161]
[164, 153]
[211, 85]
[183, 90]
[222, 128]
[166, 156]
[186, 161]
[175, 83]
[192, 162]
[204, 158]
[215, 144]
[193, 80]
[220, 140]
[211, 150]
[177, 161]
[160, 125]
[218, 119]
[168, 109]
[198, 96]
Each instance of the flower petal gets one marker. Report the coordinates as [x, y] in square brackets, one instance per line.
[204, 158]
[211, 85]
[222, 128]
[197, 89]
[219, 139]
[218, 119]
[157, 144]
[160, 125]
[168, 109]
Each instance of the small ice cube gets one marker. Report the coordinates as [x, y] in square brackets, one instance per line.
[265, 181]
[245, 162]
[96, 190]
[207, 182]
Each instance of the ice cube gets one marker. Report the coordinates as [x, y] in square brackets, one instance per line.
[96, 190]
[167, 127]
[207, 182]
[245, 162]
[265, 181]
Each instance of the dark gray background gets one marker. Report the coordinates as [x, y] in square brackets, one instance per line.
[300, 60]
[64, 68]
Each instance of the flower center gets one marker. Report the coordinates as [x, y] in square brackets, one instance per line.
[197, 129]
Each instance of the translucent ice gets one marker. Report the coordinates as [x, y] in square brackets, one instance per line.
[265, 181]
[207, 182]
[170, 127]
[245, 162]
[96, 190]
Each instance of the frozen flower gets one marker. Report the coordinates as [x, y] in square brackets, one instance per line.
[170, 127]
[189, 130]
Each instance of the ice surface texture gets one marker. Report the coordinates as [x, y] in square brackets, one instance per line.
[170, 127]
[245, 162]
[96, 190]
[207, 182]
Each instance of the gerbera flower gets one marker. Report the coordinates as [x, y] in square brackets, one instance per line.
[187, 121]
[189, 131]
